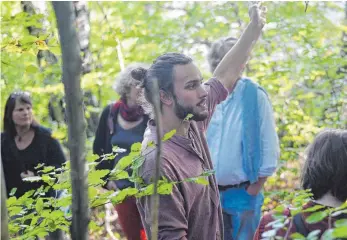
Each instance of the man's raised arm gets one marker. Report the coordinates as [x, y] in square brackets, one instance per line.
[230, 68]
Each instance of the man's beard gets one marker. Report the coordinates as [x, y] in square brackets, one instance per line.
[183, 111]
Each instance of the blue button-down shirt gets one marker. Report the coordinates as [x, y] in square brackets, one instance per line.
[224, 137]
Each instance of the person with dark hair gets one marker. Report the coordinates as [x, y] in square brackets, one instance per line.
[24, 145]
[244, 147]
[325, 174]
[191, 211]
[122, 124]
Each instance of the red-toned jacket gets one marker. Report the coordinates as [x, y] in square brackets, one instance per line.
[290, 227]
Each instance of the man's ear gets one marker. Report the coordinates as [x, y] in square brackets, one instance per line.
[165, 98]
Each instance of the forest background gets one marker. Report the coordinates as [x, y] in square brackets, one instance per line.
[300, 60]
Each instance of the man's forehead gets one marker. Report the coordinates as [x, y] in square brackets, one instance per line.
[184, 73]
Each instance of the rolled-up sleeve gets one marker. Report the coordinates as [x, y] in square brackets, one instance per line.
[216, 94]
[268, 136]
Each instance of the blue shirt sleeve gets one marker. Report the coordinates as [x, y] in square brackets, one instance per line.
[269, 139]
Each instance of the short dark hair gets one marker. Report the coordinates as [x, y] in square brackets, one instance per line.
[218, 50]
[162, 71]
[22, 97]
[325, 168]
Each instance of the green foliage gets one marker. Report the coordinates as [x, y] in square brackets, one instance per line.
[296, 61]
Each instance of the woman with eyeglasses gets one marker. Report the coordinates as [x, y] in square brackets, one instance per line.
[24, 145]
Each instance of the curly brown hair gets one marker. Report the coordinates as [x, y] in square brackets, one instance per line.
[124, 80]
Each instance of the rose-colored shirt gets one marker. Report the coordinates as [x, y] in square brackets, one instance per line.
[191, 211]
[290, 228]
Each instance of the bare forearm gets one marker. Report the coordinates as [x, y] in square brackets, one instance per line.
[231, 67]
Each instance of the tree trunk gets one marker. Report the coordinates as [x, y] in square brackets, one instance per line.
[75, 116]
[343, 70]
[4, 223]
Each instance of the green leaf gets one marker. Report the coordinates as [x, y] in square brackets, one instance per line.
[95, 177]
[47, 169]
[316, 217]
[150, 144]
[92, 157]
[201, 180]
[110, 43]
[39, 205]
[145, 191]
[47, 179]
[340, 232]
[314, 208]
[55, 50]
[165, 188]
[42, 234]
[124, 162]
[138, 161]
[169, 135]
[31, 69]
[119, 175]
[40, 165]
[13, 191]
[65, 201]
[295, 236]
[92, 192]
[14, 210]
[340, 223]
[121, 195]
[189, 116]
[94, 227]
[136, 148]
[10, 201]
[28, 39]
[34, 220]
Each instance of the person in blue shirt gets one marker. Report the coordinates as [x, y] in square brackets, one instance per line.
[244, 148]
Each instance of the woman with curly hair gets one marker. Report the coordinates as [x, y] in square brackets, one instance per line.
[122, 124]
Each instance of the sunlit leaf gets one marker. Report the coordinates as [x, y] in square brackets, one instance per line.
[169, 135]
[316, 217]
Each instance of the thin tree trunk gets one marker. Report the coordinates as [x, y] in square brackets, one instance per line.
[155, 197]
[4, 223]
[72, 65]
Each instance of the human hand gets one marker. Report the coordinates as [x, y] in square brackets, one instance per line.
[27, 174]
[111, 185]
[257, 15]
[254, 189]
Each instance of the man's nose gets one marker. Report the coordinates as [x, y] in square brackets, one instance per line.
[203, 91]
